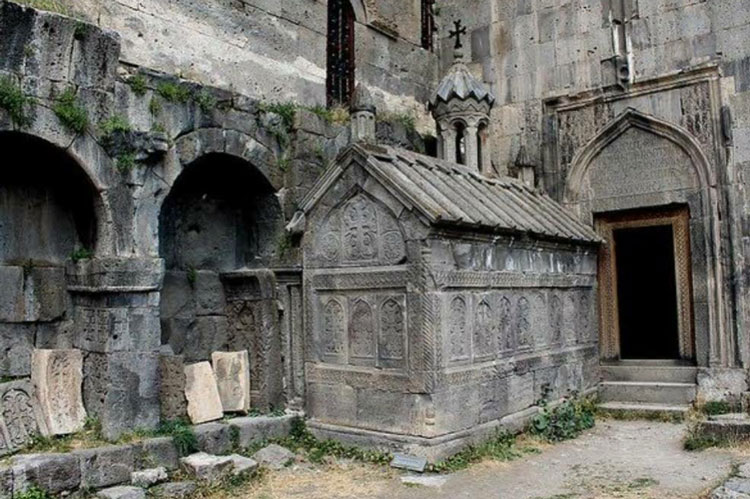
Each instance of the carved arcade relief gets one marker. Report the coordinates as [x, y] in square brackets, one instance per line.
[333, 328]
[457, 337]
[361, 331]
[483, 330]
[523, 323]
[506, 339]
[391, 343]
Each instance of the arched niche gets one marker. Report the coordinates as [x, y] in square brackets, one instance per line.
[641, 164]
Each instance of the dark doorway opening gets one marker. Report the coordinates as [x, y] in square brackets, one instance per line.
[647, 292]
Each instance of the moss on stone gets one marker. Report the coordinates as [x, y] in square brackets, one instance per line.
[137, 84]
[15, 103]
[70, 113]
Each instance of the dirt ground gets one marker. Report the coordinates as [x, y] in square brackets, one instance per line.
[617, 459]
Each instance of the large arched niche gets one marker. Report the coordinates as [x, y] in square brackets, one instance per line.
[639, 162]
[221, 217]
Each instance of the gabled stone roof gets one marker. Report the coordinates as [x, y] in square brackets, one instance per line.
[448, 194]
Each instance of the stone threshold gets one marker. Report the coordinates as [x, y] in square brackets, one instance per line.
[113, 465]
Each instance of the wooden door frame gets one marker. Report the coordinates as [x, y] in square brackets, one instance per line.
[679, 219]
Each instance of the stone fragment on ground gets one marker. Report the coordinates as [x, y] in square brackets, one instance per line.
[122, 492]
[148, 478]
[436, 481]
[208, 467]
[175, 490]
[274, 457]
[243, 464]
[202, 394]
[232, 371]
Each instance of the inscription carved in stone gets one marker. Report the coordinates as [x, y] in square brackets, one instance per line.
[362, 331]
[457, 331]
[391, 330]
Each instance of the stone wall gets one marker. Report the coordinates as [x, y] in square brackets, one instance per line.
[272, 49]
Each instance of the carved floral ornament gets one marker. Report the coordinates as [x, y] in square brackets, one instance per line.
[361, 232]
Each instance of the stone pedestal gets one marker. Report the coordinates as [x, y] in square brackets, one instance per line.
[232, 371]
[57, 376]
[202, 394]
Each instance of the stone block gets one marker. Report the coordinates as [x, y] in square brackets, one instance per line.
[132, 393]
[214, 438]
[49, 294]
[207, 467]
[177, 297]
[122, 492]
[149, 477]
[274, 457]
[209, 294]
[119, 329]
[57, 376]
[54, 473]
[175, 490]
[232, 371]
[20, 415]
[6, 482]
[202, 394]
[11, 294]
[242, 464]
[106, 466]
[157, 452]
[18, 342]
[172, 388]
[253, 430]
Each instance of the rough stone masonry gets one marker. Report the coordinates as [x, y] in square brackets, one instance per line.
[181, 179]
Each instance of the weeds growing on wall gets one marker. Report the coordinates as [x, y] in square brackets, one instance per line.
[124, 162]
[408, 121]
[32, 493]
[205, 100]
[566, 420]
[114, 124]
[501, 447]
[155, 107]
[716, 407]
[174, 92]
[137, 84]
[70, 113]
[57, 6]
[15, 103]
[81, 254]
[182, 435]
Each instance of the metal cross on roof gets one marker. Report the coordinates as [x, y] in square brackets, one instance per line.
[460, 30]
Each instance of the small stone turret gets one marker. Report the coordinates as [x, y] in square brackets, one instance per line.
[525, 167]
[363, 112]
[461, 107]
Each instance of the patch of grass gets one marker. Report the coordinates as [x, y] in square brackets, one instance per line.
[114, 124]
[125, 162]
[155, 107]
[565, 421]
[716, 408]
[634, 415]
[286, 110]
[57, 6]
[408, 121]
[501, 447]
[137, 84]
[32, 493]
[81, 30]
[182, 435]
[70, 113]
[15, 103]
[57, 444]
[174, 92]
[205, 100]
[338, 115]
[81, 254]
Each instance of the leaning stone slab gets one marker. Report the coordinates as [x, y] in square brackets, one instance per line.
[207, 467]
[54, 473]
[122, 492]
[274, 457]
[148, 478]
[105, 466]
[257, 429]
[242, 464]
[20, 415]
[232, 371]
[175, 490]
[172, 387]
[202, 394]
[57, 376]
[214, 438]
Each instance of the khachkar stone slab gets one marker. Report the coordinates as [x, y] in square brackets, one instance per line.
[232, 371]
[172, 387]
[20, 416]
[57, 376]
[202, 394]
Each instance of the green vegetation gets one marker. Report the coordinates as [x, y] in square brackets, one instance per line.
[158, 128]
[716, 408]
[501, 447]
[174, 92]
[285, 244]
[137, 84]
[408, 121]
[57, 6]
[205, 100]
[81, 254]
[182, 435]
[15, 103]
[286, 110]
[32, 493]
[283, 163]
[565, 421]
[696, 441]
[192, 276]
[114, 124]
[81, 30]
[338, 115]
[155, 107]
[72, 115]
[125, 162]
[634, 415]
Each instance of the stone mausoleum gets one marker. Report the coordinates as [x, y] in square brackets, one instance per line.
[413, 221]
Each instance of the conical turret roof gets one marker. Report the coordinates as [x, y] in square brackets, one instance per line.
[460, 84]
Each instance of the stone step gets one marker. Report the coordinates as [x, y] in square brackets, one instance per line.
[673, 412]
[647, 392]
[649, 373]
